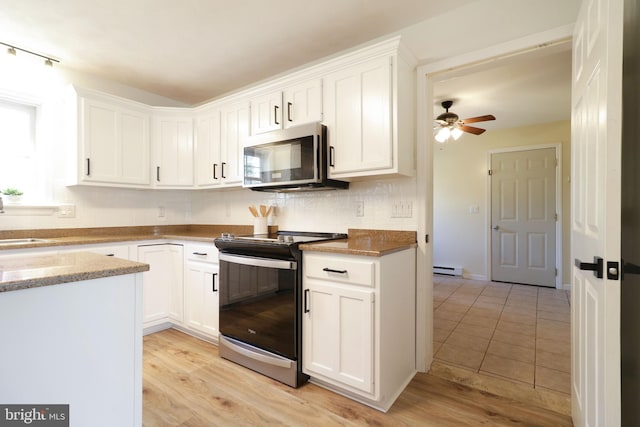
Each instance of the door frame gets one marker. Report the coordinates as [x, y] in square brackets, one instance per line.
[424, 167]
[558, 201]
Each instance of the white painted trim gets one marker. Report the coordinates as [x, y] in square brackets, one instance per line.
[511, 48]
[558, 148]
[475, 277]
[424, 171]
[424, 217]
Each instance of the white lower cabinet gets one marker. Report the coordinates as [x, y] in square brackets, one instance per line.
[359, 324]
[338, 335]
[201, 289]
[163, 283]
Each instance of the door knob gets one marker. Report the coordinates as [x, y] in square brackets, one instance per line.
[497, 227]
[595, 266]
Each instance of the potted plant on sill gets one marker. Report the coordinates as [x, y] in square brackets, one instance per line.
[13, 195]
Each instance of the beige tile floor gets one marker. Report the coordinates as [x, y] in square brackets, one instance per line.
[515, 332]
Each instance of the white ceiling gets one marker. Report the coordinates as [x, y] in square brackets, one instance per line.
[195, 50]
[525, 89]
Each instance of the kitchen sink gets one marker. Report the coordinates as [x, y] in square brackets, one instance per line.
[4, 242]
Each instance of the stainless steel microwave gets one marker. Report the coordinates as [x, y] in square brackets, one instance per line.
[293, 159]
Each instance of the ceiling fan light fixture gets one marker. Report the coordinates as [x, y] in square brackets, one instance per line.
[443, 134]
[456, 133]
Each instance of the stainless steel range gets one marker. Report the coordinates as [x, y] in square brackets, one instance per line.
[261, 302]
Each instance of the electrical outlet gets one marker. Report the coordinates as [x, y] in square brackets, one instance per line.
[359, 208]
[161, 212]
[67, 211]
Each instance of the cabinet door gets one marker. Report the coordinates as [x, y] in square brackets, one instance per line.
[162, 285]
[338, 334]
[302, 104]
[358, 115]
[115, 143]
[207, 158]
[173, 147]
[266, 113]
[201, 297]
[235, 131]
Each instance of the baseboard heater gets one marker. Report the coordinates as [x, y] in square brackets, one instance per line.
[447, 271]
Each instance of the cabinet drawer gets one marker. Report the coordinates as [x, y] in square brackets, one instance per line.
[202, 252]
[340, 269]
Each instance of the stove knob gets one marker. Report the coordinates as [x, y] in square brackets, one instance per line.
[290, 239]
[281, 239]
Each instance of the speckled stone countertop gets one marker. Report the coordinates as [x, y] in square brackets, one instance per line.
[32, 271]
[366, 242]
[84, 236]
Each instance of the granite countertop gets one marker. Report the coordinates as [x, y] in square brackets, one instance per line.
[32, 271]
[367, 243]
[85, 236]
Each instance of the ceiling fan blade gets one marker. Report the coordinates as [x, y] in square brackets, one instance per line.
[471, 129]
[479, 119]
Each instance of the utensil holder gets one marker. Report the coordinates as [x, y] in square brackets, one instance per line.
[260, 225]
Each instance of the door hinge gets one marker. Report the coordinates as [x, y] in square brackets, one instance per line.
[490, 172]
[555, 216]
[556, 162]
[426, 238]
[556, 272]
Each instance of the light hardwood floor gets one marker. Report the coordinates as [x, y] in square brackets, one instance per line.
[186, 383]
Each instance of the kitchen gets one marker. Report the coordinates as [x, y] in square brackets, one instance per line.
[378, 200]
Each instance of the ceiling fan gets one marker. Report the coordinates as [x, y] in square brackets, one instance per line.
[449, 124]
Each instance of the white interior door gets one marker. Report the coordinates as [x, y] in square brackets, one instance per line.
[524, 216]
[595, 212]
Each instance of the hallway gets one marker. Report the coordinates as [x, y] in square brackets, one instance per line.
[517, 333]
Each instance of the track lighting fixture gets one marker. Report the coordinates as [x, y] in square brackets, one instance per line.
[12, 50]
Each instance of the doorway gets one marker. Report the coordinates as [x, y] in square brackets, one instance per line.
[472, 207]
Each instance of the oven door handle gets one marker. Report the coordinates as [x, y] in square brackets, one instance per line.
[270, 360]
[260, 262]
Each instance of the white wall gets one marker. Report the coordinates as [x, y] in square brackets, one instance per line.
[460, 180]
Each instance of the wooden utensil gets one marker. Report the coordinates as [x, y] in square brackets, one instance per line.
[263, 210]
[254, 211]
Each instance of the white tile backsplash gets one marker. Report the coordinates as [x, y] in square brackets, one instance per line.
[333, 210]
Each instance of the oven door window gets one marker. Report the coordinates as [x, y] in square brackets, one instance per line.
[281, 162]
[258, 306]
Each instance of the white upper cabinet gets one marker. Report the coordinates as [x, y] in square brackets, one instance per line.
[295, 105]
[207, 148]
[109, 140]
[266, 113]
[365, 98]
[302, 103]
[369, 114]
[221, 132]
[234, 125]
[172, 144]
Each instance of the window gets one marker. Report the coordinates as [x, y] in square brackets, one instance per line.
[17, 146]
